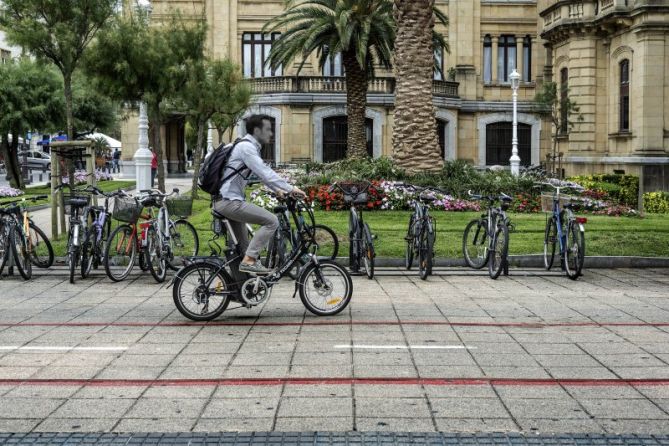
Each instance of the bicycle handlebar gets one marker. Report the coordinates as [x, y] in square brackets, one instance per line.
[491, 198]
[562, 185]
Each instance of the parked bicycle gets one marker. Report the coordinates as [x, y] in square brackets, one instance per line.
[21, 238]
[563, 230]
[78, 201]
[422, 231]
[204, 288]
[486, 239]
[361, 239]
[98, 230]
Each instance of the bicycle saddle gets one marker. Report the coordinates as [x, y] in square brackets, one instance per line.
[280, 209]
[216, 214]
[150, 202]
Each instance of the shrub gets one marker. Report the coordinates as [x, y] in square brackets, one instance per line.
[656, 202]
[623, 189]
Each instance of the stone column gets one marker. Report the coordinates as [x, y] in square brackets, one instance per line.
[520, 59]
[647, 105]
[495, 50]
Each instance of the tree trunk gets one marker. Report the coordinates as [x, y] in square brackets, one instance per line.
[356, 102]
[158, 145]
[67, 87]
[12, 163]
[198, 156]
[415, 142]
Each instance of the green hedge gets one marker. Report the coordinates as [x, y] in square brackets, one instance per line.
[656, 202]
[622, 188]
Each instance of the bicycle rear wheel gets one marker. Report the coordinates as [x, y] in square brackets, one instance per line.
[196, 296]
[155, 257]
[120, 253]
[41, 251]
[550, 242]
[475, 244]
[575, 251]
[425, 253]
[325, 289]
[409, 245]
[20, 253]
[184, 242]
[500, 249]
[368, 254]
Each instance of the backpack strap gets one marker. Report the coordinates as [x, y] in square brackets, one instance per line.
[236, 171]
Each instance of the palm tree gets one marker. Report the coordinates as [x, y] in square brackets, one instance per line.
[415, 142]
[363, 32]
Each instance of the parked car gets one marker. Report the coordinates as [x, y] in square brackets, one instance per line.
[36, 160]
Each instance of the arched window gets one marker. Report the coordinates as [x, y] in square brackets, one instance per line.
[564, 91]
[624, 107]
[487, 59]
[527, 59]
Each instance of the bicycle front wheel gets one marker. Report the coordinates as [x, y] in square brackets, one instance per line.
[120, 253]
[41, 251]
[575, 251]
[368, 253]
[409, 245]
[21, 254]
[500, 250]
[154, 256]
[327, 241]
[88, 252]
[325, 289]
[184, 241]
[550, 242]
[202, 291]
[5, 245]
[475, 244]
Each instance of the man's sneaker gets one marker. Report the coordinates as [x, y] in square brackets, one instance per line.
[254, 268]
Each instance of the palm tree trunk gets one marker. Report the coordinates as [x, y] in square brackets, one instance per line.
[356, 102]
[415, 142]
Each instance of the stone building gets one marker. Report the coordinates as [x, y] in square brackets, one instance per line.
[488, 38]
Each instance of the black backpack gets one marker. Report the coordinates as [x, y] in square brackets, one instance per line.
[210, 178]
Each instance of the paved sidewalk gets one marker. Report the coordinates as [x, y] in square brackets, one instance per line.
[534, 353]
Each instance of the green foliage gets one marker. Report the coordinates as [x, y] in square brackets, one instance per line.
[624, 189]
[656, 202]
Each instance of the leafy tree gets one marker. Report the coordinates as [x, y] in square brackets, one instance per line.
[58, 31]
[564, 113]
[131, 61]
[30, 98]
[211, 87]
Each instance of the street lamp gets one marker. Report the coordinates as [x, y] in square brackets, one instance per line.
[515, 159]
[143, 155]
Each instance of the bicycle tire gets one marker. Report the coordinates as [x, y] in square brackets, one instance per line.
[72, 256]
[499, 253]
[354, 241]
[325, 236]
[180, 247]
[409, 245]
[113, 251]
[550, 242]
[155, 257]
[368, 254]
[20, 252]
[432, 237]
[5, 245]
[203, 270]
[575, 255]
[87, 253]
[46, 260]
[424, 254]
[343, 299]
[479, 242]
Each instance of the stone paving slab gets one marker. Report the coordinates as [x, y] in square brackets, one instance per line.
[533, 352]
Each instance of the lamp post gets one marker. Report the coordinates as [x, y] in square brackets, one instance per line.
[143, 155]
[515, 159]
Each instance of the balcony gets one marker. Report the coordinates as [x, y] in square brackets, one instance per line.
[337, 85]
[561, 13]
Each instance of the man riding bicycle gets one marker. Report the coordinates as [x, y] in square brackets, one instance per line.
[231, 202]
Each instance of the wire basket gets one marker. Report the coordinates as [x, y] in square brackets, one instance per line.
[179, 206]
[547, 201]
[355, 192]
[126, 209]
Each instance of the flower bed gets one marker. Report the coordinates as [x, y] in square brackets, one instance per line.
[81, 176]
[8, 191]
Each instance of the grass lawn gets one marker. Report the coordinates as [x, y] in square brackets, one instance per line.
[611, 236]
[106, 186]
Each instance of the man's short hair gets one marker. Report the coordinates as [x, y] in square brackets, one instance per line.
[255, 121]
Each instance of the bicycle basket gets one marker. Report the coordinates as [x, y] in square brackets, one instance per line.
[547, 202]
[356, 193]
[179, 206]
[126, 209]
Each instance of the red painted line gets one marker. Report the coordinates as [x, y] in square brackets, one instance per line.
[334, 323]
[336, 381]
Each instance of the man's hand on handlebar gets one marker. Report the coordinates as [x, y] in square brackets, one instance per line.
[298, 192]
